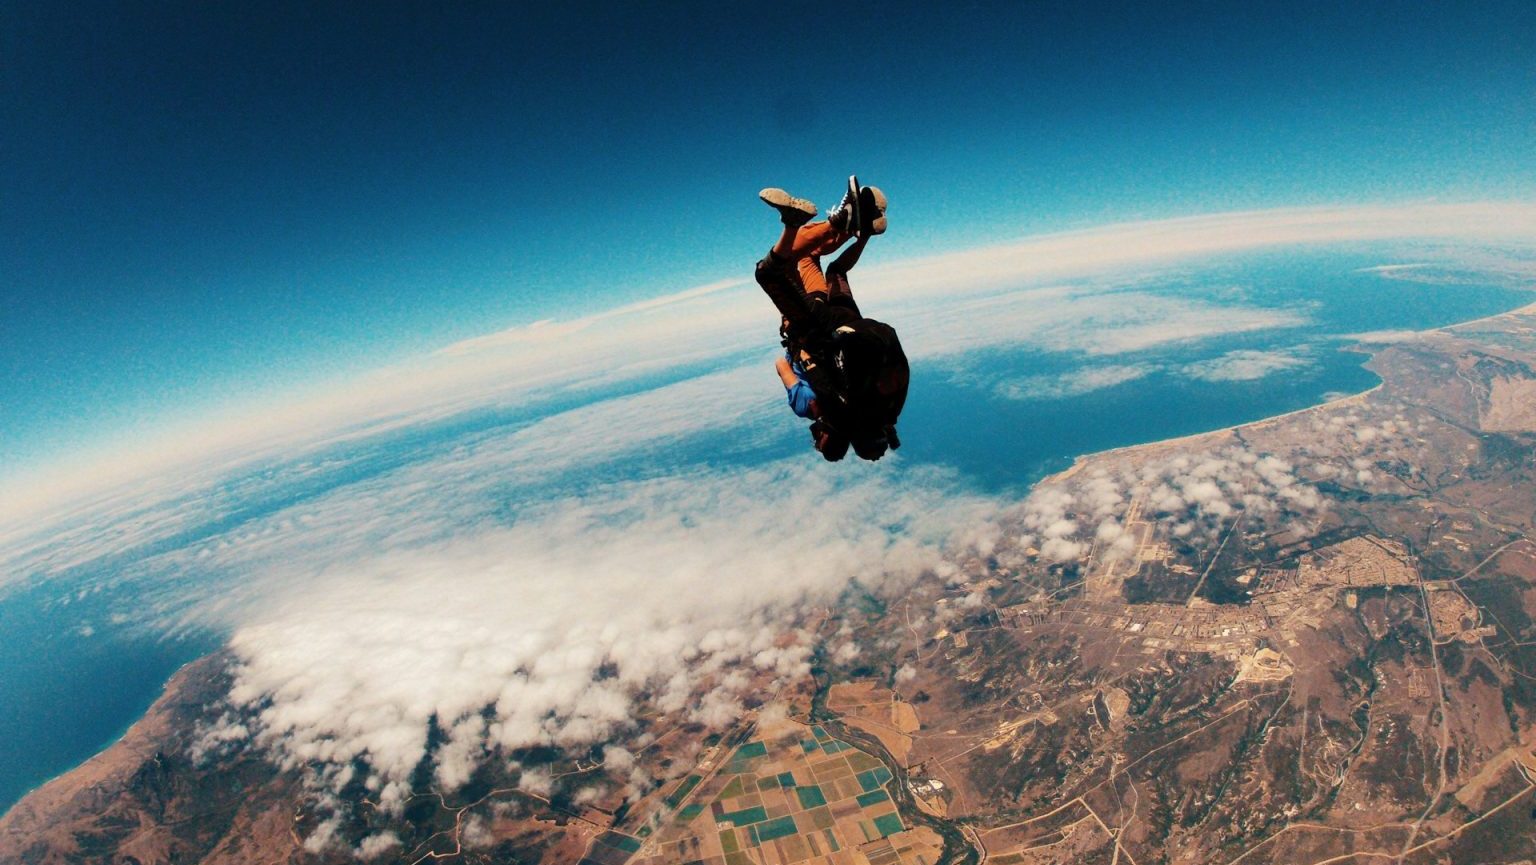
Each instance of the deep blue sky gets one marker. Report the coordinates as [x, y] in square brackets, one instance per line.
[199, 201]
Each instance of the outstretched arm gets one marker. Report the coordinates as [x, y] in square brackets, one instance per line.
[850, 257]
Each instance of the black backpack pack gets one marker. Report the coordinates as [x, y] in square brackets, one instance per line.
[859, 373]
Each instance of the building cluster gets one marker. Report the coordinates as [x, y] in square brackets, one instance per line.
[1283, 598]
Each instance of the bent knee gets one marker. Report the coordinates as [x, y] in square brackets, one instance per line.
[771, 269]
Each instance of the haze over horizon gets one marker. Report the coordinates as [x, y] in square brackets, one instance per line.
[203, 206]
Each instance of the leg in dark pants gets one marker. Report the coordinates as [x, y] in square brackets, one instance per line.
[781, 282]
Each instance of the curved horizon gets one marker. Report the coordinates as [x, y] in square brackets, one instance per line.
[632, 340]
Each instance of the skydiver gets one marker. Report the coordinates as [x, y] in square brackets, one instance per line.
[844, 372]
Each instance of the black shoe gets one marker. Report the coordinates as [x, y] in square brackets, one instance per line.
[872, 209]
[793, 211]
[845, 216]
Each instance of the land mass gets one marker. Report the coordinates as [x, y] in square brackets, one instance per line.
[1310, 639]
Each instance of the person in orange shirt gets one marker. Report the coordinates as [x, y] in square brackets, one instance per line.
[845, 372]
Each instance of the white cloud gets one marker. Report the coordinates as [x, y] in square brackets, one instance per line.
[679, 587]
[1061, 549]
[1181, 495]
[477, 834]
[1461, 268]
[536, 781]
[1092, 319]
[1247, 365]
[1069, 384]
[616, 759]
[1373, 337]
[374, 846]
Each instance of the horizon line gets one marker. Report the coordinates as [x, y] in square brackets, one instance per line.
[310, 415]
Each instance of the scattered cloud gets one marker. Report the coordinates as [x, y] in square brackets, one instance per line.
[1379, 337]
[1069, 384]
[1247, 365]
[374, 846]
[1186, 496]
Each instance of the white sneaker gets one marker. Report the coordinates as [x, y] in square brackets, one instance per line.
[793, 211]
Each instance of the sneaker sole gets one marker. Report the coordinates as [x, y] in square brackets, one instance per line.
[874, 197]
[782, 201]
[870, 197]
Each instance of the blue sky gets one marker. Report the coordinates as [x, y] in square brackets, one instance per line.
[200, 202]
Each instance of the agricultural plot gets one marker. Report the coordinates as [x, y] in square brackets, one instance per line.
[794, 795]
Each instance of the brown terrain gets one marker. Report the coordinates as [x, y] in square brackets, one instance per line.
[1346, 676]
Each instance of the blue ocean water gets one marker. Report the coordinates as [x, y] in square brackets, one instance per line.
[1006, 445]
[71, 682]
[72, 679]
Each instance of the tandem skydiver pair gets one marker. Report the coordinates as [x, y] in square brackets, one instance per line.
[844, 372]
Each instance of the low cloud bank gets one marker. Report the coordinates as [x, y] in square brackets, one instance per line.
[555, 629]
[1185, 497]
[1247, 365]
[562, 626]
[1070, 384]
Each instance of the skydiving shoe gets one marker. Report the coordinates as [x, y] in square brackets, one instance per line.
[845, 216]
[794, 212]
[872, 210]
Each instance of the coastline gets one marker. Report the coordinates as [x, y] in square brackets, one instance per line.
[181, 698]
[1370, 348]
[1081, 460]
[124, 736]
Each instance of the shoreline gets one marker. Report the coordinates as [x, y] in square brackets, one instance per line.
[120, 738]
[1369, 348]
[1083, 459]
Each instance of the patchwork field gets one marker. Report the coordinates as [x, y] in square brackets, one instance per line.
[792, 794]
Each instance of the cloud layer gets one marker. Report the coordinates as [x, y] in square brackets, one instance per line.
[1186, 497]
[551, 629]
[1247, 365]
[1069, 384]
